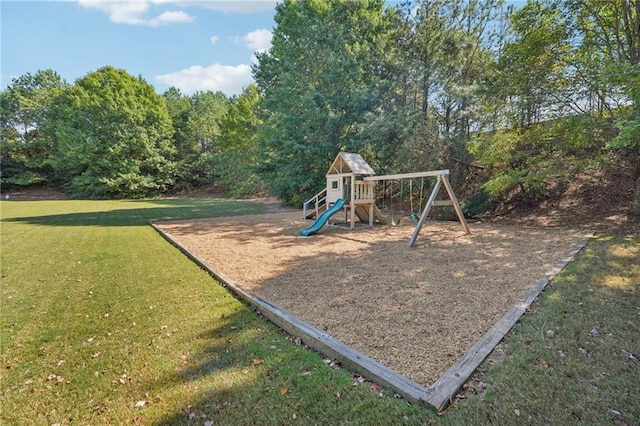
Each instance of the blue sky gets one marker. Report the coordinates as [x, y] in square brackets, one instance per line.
[193, 45]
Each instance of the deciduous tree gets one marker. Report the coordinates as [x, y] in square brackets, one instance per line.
[237, 161]
[113, 137]
[26, 145]
[320, 78]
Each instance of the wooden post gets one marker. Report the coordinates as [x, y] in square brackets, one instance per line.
[425, 212]
[456, 206]
[371, 215]
[353, 201]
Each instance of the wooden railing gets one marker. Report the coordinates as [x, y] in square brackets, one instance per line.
[314, 203]
[364, 192]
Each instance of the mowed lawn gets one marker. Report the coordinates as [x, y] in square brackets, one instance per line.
[104, 322]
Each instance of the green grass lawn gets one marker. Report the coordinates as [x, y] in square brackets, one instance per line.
[103, 322]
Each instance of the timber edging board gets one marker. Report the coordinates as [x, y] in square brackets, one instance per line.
[437, 395]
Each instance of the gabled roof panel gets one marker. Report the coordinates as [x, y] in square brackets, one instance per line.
[348, 162]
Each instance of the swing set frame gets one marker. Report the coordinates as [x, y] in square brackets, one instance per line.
[442, 179]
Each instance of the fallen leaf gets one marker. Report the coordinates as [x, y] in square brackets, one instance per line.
[257, 361]
[516, 412]
[140, 404]
[357, 380]
[95, 355]
[283, 391]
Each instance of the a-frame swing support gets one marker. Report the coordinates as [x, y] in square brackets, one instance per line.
[442, 178]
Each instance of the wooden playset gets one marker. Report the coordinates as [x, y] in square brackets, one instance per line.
[351, 189]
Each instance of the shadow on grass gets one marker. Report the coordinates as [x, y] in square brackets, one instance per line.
[250, 373]
[141, 212]
[240, 370]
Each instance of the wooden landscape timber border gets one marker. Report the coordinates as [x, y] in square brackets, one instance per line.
[440, 393]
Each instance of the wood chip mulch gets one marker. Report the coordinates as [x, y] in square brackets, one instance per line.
[415, 310]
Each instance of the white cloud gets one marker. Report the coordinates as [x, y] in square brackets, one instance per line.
[133, 12]
[228, 79]
[230, 6]
[167, 18]
[215, 40]
[258, 40]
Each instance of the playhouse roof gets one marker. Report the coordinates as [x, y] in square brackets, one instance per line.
[348, 162]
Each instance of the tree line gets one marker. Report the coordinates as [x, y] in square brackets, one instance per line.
[109, 135]
[533, 94]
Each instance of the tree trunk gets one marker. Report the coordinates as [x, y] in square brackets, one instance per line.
[635, 205]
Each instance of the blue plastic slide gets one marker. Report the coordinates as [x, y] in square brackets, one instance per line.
[323, 218]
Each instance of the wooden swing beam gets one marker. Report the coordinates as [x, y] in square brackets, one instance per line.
[442, 179]
[408, 175]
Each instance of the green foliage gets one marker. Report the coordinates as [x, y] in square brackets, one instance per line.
[628, 121]
[523, 162]
[196, 121]
[445, 51]
[477, 204]
[565, 85]
[321, 77]
[237, 161]
[532, 66]
[113, 137]
[187, 149]
[25, 143]
[546, 88]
